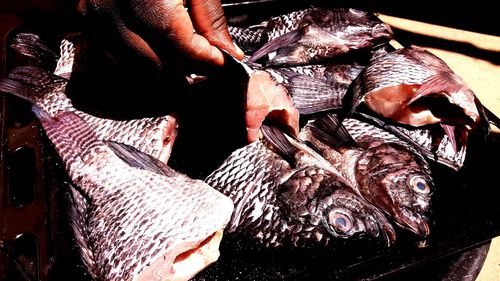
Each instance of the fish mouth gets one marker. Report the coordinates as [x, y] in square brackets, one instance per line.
[184, 260]
[413, 221]
[383, 228]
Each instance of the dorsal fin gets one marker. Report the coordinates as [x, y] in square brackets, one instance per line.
[139, 159]
[30, 83]
[280, 144]
[330, 130]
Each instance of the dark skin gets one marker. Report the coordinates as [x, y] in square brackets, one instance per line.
[172, 34]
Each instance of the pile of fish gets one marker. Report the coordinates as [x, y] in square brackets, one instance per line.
[356, 166]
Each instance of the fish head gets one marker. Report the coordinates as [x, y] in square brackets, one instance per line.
[350, 216]
[399, 183]
[364, 29]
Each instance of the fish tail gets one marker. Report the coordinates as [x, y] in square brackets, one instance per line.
[31, 45]
[29, 83]
[70, 134]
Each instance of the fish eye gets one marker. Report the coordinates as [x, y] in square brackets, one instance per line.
[420, 185]
[340, 221]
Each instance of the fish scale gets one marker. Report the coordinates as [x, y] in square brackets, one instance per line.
[152, 135]
[381, 166]
[278, 205]
[174, 209]
[394, 69]
[280, 25]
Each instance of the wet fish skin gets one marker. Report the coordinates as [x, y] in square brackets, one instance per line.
[317, 34]
[414, 87]
[136, 221]
[280, 205]
[316, 88]
[152, 135]
[248, 39]
[385, 170]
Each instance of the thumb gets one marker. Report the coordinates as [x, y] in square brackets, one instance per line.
[209, 21]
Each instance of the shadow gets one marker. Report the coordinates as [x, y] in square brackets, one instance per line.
[407, 38]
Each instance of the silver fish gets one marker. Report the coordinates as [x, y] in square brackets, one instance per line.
[414, 87]
[132, 223]
[317, 34]
[386, 172]
[297, 202]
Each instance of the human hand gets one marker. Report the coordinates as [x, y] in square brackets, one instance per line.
[173, 34]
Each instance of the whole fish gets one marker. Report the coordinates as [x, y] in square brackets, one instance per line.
[135, 219]
[294, 199]
[414, 87]
[152, 135]
[318, 34]
[387, 173]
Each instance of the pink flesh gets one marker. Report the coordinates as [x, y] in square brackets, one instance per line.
[183, 261]
[169, 135]
[392, 102]
[266, 99]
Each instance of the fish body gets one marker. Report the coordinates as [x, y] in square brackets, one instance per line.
[152, 135]
[248, 39]
[414, 87]
[387, 173]
[298, 202]
[318, 34]
[316, 88]
[131, 223]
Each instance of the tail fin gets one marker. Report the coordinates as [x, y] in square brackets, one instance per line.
[30, 83]
[70, 134]
[31, 45]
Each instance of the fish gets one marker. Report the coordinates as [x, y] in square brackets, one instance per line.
[249, 39]
[152, 135]
[136, 218]
[315, 35]
[385, 171]
[286, 195]
[316, 88]
[412, 86]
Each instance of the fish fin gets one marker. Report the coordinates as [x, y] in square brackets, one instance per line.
[486, 116]
[31, 45]
[29, 83]
[330, 130]
[353, 97]
[281, 145]
[449, 130]
[276, 43]
[311, 95]
[138, 159]
[71, 135]
[441, 82]
[397, 132]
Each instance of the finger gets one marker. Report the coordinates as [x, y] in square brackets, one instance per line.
[138, 44]
[181, 32]
[209, 21]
